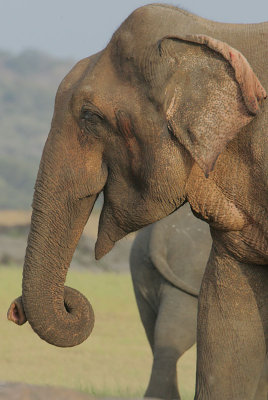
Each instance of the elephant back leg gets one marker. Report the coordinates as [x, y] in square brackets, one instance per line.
[146, 283]
[175, 332]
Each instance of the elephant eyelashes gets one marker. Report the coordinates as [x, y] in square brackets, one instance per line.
[92, 117]
[90, 120]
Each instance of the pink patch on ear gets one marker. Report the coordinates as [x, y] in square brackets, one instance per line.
[232, 56]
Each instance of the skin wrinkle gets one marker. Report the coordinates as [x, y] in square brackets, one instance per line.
[203, 122]
[54, 284]
[254, 213]
[228, 194]
[226, 278]
[60, 258]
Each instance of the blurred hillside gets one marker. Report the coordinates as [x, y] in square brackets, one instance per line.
[28, 84]
[14, 229]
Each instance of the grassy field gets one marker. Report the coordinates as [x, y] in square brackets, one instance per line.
[114, 361]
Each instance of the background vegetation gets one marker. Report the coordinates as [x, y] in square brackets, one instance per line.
[28, 84]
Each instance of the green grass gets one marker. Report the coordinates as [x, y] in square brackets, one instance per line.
[114, 361]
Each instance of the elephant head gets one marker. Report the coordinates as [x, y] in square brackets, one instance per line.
[130, 121]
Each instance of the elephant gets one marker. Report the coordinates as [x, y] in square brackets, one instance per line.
[171, 111]
[167, 263]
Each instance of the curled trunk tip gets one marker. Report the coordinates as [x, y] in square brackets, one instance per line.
[71, 324]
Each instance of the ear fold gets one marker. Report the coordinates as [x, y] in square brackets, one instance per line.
[205, 126]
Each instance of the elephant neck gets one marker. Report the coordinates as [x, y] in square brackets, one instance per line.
[211, 204]
[229, 199]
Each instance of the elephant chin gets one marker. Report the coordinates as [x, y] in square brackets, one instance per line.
[103, 245]
[109, 233]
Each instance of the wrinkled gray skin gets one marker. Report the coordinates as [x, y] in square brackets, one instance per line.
[167, 263]
[173, 110]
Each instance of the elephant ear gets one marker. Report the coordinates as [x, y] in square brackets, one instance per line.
[211, 106]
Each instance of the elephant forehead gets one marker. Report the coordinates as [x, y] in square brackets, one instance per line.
[102, 85]
[72, 80]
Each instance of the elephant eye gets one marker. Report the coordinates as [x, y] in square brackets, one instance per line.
[91, 122]
[91, 117]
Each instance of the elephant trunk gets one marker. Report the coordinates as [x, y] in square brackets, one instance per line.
[58, 314]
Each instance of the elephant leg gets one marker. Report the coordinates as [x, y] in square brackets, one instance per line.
[262, 390]
[146, 283]
[175, 332]
[147, 314]
[231, 329]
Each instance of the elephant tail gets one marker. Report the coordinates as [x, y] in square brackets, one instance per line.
[162, 266]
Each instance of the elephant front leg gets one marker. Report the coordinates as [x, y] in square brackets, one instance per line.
[232, 318]
[262, 390]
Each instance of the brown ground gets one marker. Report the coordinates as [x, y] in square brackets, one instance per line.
[21, 391]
